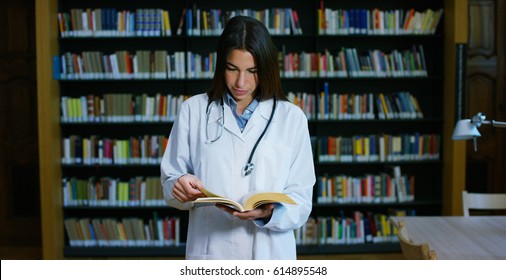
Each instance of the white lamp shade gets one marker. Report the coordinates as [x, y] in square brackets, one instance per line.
[465, 130]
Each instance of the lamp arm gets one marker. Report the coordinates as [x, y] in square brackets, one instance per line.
[498, 124]
[495, 123]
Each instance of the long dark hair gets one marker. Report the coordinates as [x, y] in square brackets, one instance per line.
[248, 34]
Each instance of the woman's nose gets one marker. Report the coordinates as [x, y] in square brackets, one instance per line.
[240, 81]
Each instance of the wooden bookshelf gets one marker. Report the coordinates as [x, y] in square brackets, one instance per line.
[451, 165]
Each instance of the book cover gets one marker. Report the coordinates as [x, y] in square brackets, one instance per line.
[57, 67]
[249, 202]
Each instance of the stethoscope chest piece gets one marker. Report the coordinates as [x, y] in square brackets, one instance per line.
[248, 168]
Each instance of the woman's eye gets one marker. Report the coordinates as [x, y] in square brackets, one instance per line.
[252, 71]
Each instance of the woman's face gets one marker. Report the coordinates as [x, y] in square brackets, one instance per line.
[241, 76]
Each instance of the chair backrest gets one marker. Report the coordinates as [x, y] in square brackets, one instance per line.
[483, 201]
[411, 250]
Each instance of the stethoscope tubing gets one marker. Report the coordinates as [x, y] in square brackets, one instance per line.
[248, 168]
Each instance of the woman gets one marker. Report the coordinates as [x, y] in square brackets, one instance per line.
[242, 136]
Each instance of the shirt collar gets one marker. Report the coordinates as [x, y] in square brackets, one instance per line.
[242, 119]
[247, 111]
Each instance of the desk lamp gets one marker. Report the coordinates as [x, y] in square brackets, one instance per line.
[468, 128]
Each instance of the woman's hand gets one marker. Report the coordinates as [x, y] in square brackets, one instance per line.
[263, 212]
[187, 188]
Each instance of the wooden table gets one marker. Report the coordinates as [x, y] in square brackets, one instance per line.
[460, 238]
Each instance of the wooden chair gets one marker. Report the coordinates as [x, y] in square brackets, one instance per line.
[483, 201]
[411, 250]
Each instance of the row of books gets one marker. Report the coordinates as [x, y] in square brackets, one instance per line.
[197, 22]
[121, 107]
[401, 105]
[95, 150]
[159, 64]
[110, 22]
[348, 62]
[147, 191]
[130, 107]
[147, 149]
[377, 22]
[142, 64]
[369, 188]
[354, 106]
[359, 228]
[112, 192]
[377, 147]
[135, 232]
[124, 232]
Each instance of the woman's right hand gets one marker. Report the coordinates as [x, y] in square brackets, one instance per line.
[187, 188]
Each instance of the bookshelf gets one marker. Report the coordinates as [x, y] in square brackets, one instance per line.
[439, 181]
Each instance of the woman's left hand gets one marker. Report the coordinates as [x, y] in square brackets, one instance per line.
[263, 212]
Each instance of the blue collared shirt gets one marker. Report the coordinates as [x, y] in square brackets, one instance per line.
[246, 114]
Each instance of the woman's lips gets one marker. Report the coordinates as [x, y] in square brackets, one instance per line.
[240, 92]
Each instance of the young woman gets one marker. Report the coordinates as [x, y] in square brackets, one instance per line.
[241, 136]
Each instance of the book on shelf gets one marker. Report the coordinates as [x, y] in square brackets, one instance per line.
[365, 189]
[378, 148]
[355, 227]
[123, 232]
[249, 202]
[109, 22]
[181, 22]
[404, 185]
[376, 22]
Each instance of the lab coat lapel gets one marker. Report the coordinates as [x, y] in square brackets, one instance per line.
[214, 121]
[260, 117]
[231, 124]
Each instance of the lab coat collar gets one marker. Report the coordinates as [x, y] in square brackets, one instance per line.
[260, 117]
[215, 114]
[265, 109]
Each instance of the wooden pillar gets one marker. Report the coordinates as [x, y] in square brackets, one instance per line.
[454, 152]
[49, 130]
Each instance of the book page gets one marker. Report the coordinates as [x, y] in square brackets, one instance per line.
[249, 202]
[208, 193]
[207, 201]
[255, 199]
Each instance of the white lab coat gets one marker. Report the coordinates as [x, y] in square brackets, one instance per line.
[283, 163]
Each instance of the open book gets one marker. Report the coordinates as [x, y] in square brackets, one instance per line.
[249, 202]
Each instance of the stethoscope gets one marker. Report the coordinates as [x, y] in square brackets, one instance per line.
[248, 168]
